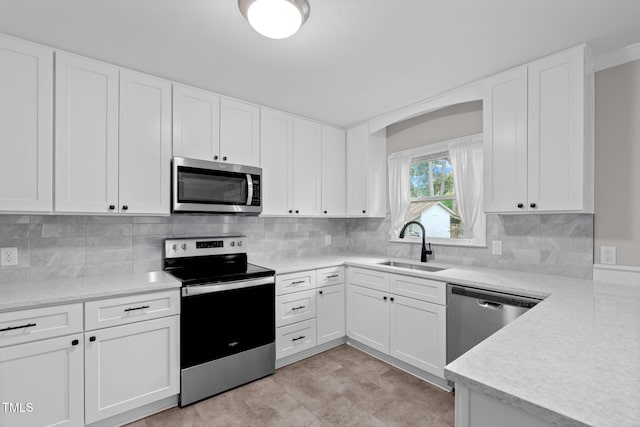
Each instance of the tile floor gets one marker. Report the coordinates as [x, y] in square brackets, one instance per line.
[340, 387]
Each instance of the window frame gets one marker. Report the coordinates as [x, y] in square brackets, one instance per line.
[424, 151]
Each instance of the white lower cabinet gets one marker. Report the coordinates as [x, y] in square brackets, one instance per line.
[368, 317]
[412, 330]
[130, 366]
[330, 305]
[418, 333]
[41, 383]
[295, 338]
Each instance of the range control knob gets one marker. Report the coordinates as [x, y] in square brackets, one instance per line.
[239, 242]
[174, 247]
[184, 246]
[233, 244]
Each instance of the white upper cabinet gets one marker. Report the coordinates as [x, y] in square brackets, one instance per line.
[276, 140]
[366, 172]
[239, 132]
[196, 123]
[145, 144]
[538, 136]
[26, 127]
[86, 151]
[505, 141]
[333, 172]
[306, 158]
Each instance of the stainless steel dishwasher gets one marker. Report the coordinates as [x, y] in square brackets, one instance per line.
[474, 314]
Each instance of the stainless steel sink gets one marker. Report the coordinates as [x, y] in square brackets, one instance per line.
[411, 266]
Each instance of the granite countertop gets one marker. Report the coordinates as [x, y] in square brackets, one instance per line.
[573, 360]
[23, 295]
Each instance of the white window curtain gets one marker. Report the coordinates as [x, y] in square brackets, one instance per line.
[465, 155]
[399, 165]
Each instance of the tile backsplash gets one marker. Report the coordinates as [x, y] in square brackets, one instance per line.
[559, 244]
[54, 247]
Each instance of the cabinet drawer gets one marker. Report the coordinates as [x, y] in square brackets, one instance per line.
[368, 278]
[295, 307]
[294, 338]
[40, 323]
[415, 287]
[119, 311]
[330, 276]
[294, 282]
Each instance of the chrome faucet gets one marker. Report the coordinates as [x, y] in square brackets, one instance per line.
[425, 252]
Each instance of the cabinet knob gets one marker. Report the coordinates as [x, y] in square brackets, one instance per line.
[297, 211]
[290, 211]
[533, 205]
[320, 292]
[75, 342]
[224, 158]
[92, 339]
[112, 207]
[325, 211]
[215, 157]
[391, 299]
[363, 211]
[384, 298]
[125, 207]
[520, 205]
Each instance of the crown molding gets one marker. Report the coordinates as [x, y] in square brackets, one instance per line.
[617, 57]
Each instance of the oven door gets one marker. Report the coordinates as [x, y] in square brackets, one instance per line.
[202, 186]
[224, 319]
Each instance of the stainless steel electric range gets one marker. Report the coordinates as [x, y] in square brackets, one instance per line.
[227, 316]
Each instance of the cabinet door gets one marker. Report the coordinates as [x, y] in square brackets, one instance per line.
[556, 132]
[307, 152]
[368, 317]
[145, 144]
[333, 172]
[130, 366]
[42, 381]
[505, 141]
[26, 127]
[330, 319]
[239, 133]
[357, 151]
[276, 140]
[196, 123]
[418, 334]
[86, 150]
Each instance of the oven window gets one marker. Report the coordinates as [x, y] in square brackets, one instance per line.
[211, 187]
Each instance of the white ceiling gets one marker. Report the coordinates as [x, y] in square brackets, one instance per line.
[352, 60]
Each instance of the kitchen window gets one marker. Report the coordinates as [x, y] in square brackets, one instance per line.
[439, 186]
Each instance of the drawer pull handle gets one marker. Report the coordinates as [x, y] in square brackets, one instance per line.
[333, 276]
[11, 328]
[299, 338]
[298, 282]
[297, 308]
[142, 307]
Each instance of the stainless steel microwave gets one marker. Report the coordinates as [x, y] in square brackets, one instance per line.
[204, 186]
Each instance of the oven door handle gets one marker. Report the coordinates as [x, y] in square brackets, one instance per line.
[227, 286]
[249, 189]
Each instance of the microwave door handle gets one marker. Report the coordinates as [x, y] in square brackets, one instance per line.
[249, 189]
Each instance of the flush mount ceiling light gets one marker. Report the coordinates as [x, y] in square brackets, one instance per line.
[275, 19]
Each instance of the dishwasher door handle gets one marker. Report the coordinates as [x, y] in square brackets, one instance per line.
[489, 304]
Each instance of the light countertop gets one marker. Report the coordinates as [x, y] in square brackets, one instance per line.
[14, 296]
[573, 360]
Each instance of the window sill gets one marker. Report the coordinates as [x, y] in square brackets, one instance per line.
[442, 242]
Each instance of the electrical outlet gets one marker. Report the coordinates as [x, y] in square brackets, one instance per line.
[496, 247]
[607, 254]
[327, 239]
[8, 256]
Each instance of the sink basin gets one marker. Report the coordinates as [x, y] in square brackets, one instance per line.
[411, 266]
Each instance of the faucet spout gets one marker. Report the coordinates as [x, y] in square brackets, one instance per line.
[425, 252]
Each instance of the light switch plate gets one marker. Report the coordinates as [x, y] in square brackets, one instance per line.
[327, 239]
[496, 247]
[8, 256]
[607, 254]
